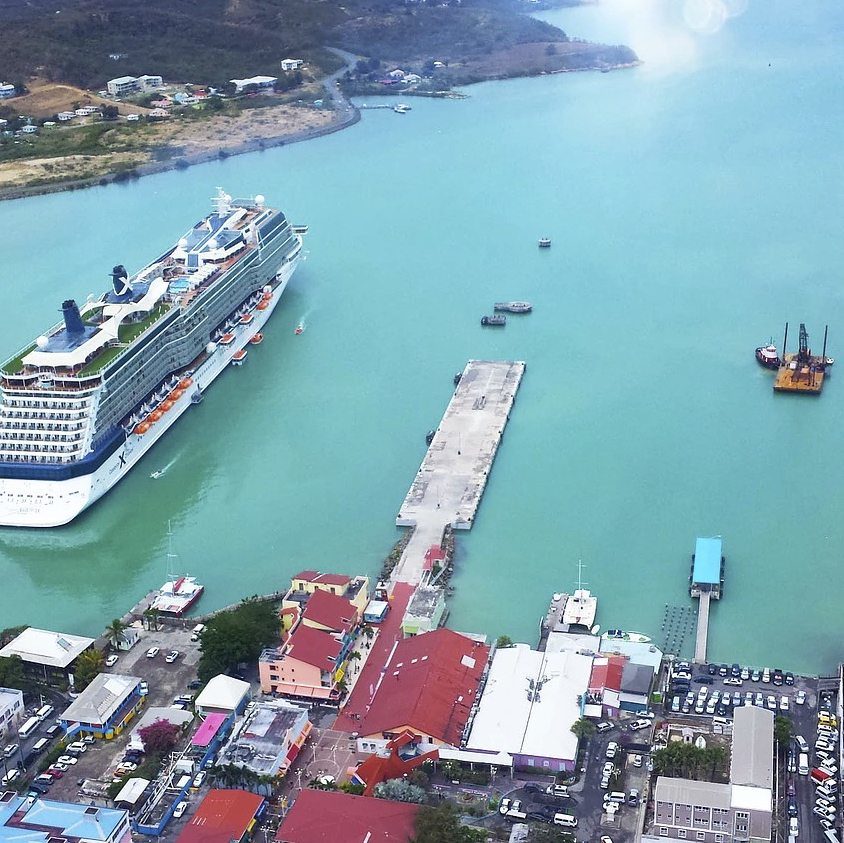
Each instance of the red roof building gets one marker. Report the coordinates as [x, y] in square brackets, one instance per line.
[223, 816]
[329, 816]
[315, 578]
[313, 647]
[390, 764]
[428, 688]
[329, 612]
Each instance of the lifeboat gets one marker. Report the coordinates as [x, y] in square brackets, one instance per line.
[257, 339]
[167, 405]
[246, 318]
[142, 428]
[176, 394]
[238, 357]
[155, 415]
[262, 305]
[184, 383]
[226, 339]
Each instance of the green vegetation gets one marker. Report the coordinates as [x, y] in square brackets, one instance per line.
[782, 731]
[130, 331]
[88, 665]
[236, 636]
[442, 825]
[583, 728]
[103, 358]
[115, 632]
[13, 366]
[12, 673]
[398, 790]
[685, 760]
[503, 641]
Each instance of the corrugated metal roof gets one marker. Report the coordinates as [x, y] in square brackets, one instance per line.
[707, 567]
[753, 741]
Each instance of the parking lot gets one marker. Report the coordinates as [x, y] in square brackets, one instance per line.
[92, 773]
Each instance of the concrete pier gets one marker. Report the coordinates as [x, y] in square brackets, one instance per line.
[449, 485]
[702, 628]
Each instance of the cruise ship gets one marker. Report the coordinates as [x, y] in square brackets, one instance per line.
[84, 402]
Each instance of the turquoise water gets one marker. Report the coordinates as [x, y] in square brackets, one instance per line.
[695, 204]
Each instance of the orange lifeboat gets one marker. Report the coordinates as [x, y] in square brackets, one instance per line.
[166, 405]
[155, 415]
[184, 383]
[263, 304]
[176, 394]
[142, 428]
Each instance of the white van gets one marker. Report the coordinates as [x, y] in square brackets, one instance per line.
[44, 712]
[516, 816]
[803, 764]
[565, 820]
[40, 745]
[197, 631]
[801, 743]
[10, 776]
[616, 796]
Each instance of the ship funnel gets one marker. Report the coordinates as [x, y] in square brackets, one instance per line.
[72, 318]
[120, 280]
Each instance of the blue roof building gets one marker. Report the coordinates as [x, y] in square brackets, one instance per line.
[707, 568]
[35, 820]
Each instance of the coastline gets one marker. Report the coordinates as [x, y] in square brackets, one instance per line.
[347, 117]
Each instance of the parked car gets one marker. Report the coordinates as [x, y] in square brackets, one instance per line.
[777, 677]
[503, 806]
[561, 791]
[789, 678]
[195, 684]
[143, 688]
[784, 703]
[69, 760]
[612, 749]
[10, 750]
[641, 724]
[58, 767]
[111, 661]
[733, 680]
[152, 653]
[800, 697]
[755, 675]
[745, 673]
[712, 669]
[171, 656]
[56, 774]
[636, 760]
[181, 808]
[77, 746]
[704, 679]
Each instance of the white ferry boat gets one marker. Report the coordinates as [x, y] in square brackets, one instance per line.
[83, 403]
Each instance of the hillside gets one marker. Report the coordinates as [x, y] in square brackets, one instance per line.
[211, 41]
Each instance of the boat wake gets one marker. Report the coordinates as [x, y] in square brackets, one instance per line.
[300, 328]
[162, 471]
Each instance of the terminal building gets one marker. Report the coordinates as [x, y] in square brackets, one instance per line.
[707, 573]
[11, 710]
[530, 702]
[714, 812]
[45, 654]
[45, 821]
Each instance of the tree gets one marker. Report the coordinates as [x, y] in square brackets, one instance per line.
[782, 731]
[115, 632]
[237, 636]
[160, 736]
[12, 673]
[87, 666]
[400, 790]
[583, 728]
[503, 641]
[440, 825]
[110, 112]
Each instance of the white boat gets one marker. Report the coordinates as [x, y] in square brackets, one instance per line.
[178, 594]
[621, 635]
[401, 108]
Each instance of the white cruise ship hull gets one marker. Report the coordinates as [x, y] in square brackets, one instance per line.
[52, 503]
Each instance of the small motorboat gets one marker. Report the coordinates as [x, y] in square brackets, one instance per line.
[300, 329]
[544, 242]
[767, 356]
[238, 357]
[514, 306]
[457, 378]
[401, 108]
[429, 436]
[494, 321]
[257, 339]
[156, 474]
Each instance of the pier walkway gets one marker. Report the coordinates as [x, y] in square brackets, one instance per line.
[702, 627]
[449, 485]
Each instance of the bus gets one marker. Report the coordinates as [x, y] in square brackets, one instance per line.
[29, 727]
[44, 712]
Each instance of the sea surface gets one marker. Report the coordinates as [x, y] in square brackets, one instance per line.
[695, 204]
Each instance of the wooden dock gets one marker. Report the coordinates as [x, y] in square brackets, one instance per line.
[702, 628]
[804, 380]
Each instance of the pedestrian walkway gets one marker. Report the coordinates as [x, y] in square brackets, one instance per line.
[389, 632]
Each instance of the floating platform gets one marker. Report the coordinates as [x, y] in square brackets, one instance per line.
[803, 380]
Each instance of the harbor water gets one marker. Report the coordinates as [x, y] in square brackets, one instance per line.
[694, 204]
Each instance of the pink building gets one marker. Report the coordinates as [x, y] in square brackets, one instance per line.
[307, 665]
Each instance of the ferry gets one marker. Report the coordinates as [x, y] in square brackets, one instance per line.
[82, 403]
[544, 242]
[494, 321]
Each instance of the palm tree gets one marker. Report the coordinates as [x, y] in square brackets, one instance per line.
[583, 728]
[115, 632]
